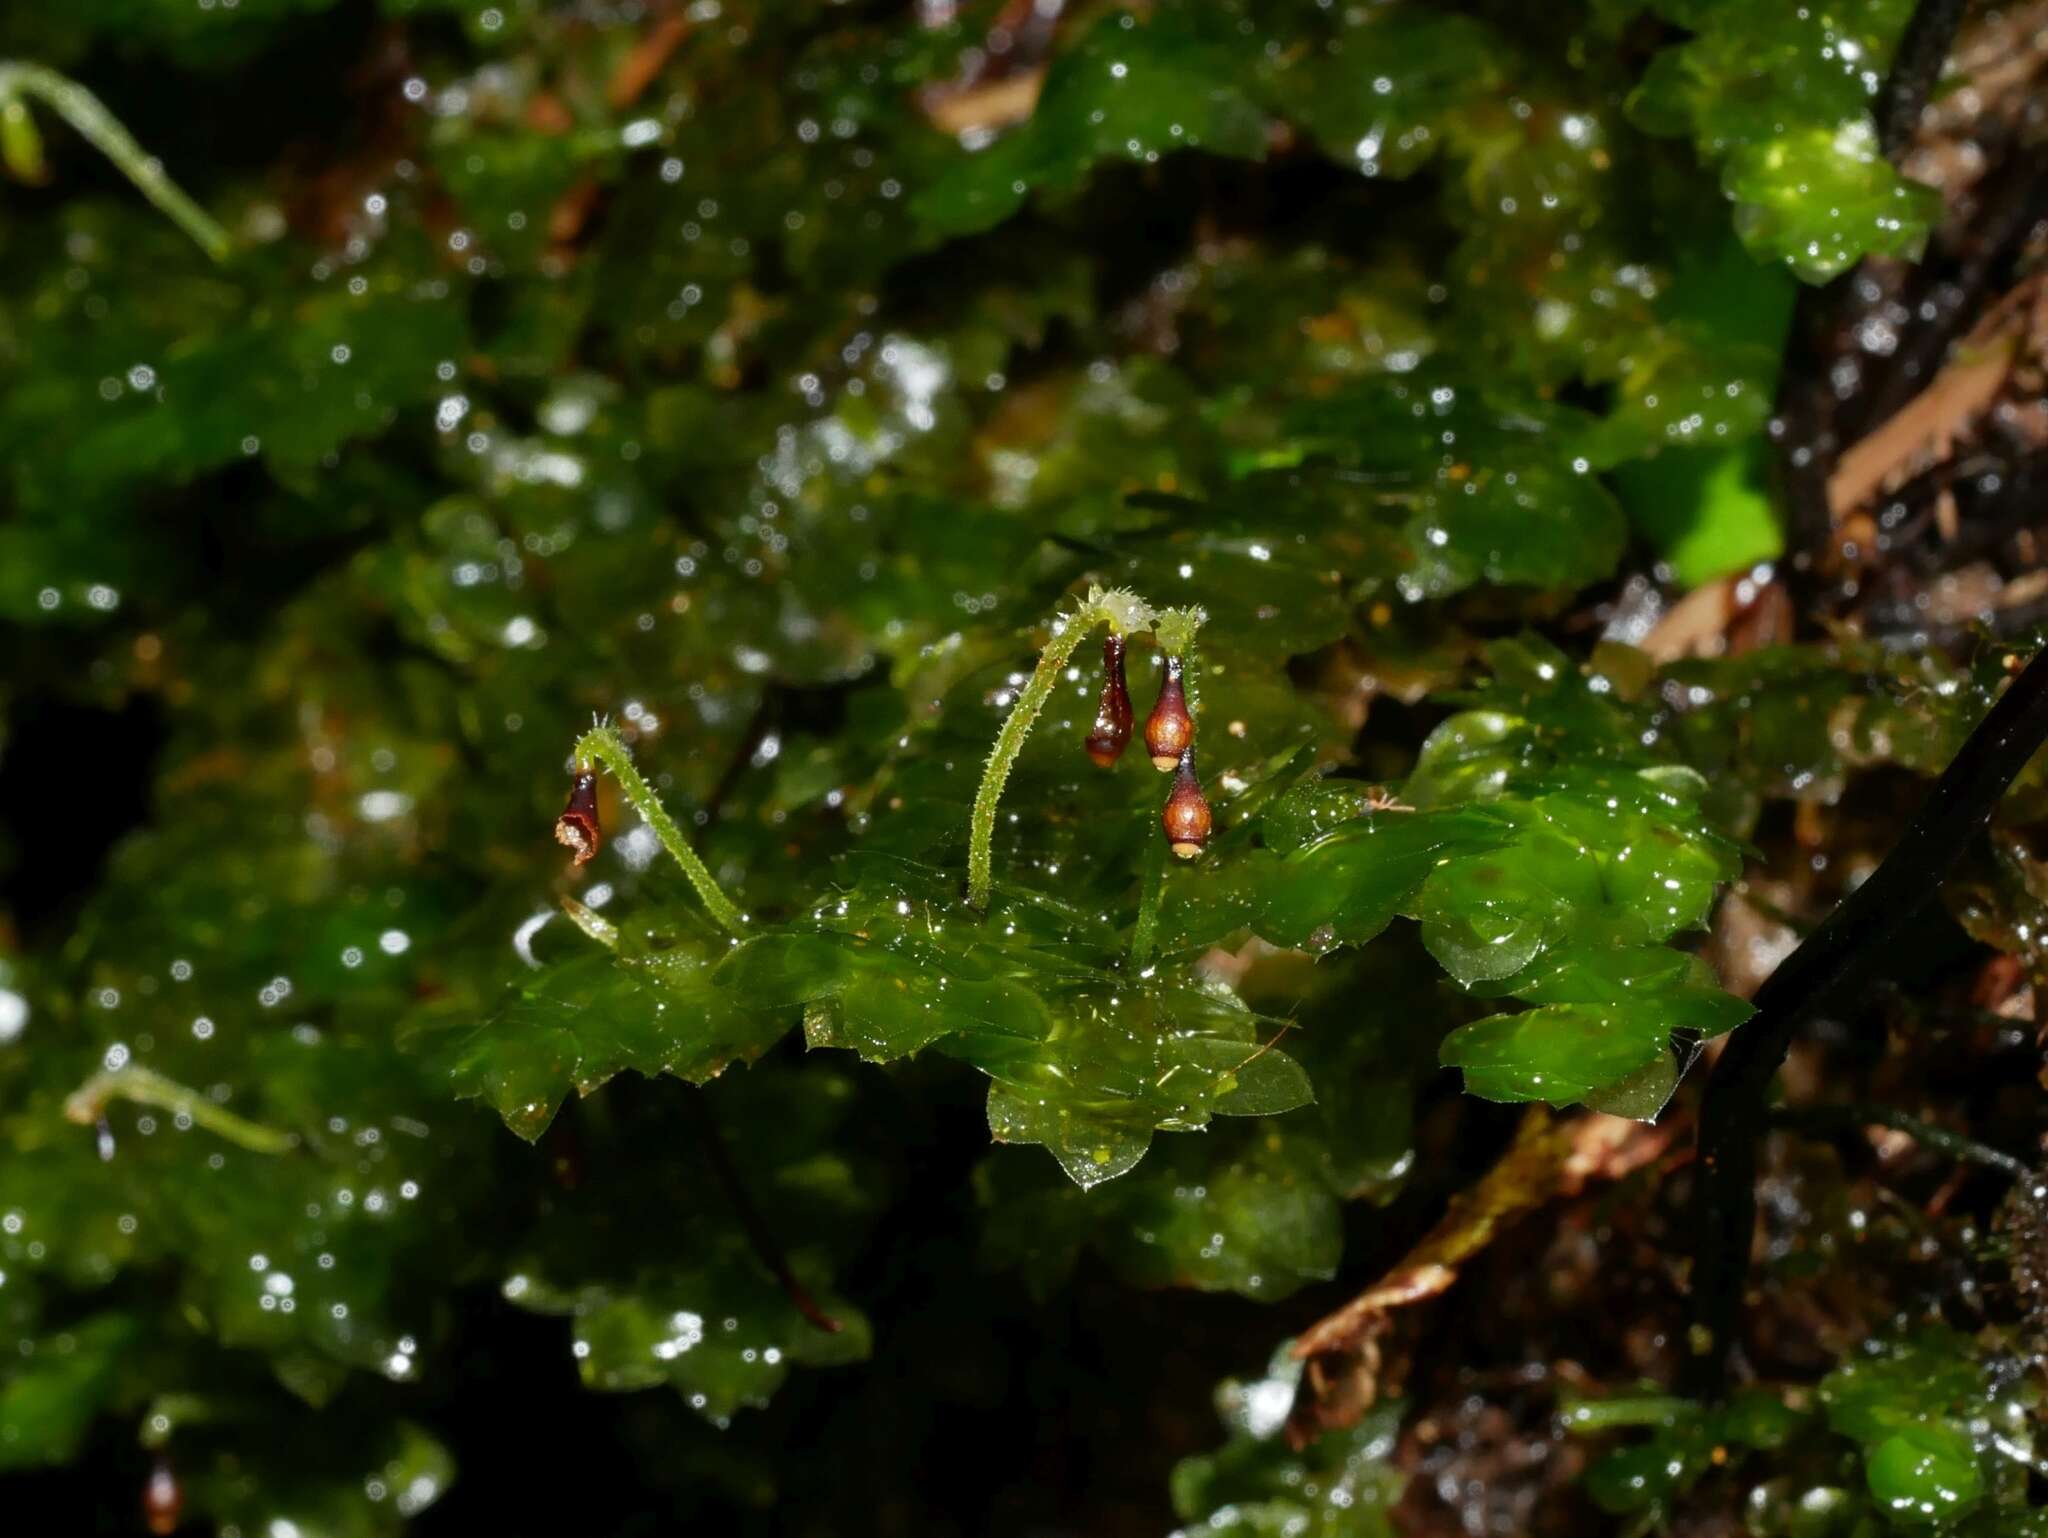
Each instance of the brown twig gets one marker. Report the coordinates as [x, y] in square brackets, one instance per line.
[1547, 1159]
[636, 72]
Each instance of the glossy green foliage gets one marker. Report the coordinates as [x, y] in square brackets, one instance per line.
[1914, 1406]
[1129, 90]
[654, 1006]
[49, 1402]
[1798, 723]
[1943, 1434]
[1779, 97]
[1687, 1442]
[1340, 1487]
[1548, 853]
[1254, 1207]
[690, 1307]
[766, 378]
[1705, 498]
[245, 1471]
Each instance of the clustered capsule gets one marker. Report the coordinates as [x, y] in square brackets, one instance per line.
[1186, 816]
[1112, 733]
[1170, 730]
[577, 827]
[1169, 739]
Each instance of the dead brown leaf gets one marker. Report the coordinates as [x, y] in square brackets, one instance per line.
[987, 106]
[1548, 1158]
[1925, 430]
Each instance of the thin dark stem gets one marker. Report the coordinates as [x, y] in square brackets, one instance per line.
[1803, 431]
[1825, 976]
[1853, 1118]
[759, 1235]
[1805, 415]
[1916, 68]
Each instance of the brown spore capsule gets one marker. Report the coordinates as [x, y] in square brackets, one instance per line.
[1112, 732]
[1186, 817]
[577, 827]
[163, 1501]
[1169, 730]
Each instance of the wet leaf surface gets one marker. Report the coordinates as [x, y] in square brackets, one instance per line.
[1343, 1485]
[765, 378]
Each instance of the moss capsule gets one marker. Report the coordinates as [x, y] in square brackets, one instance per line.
[1186, 817]
[1169, 730]
[1112, 732]
[577, 827]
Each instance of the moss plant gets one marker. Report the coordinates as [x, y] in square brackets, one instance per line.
[602, 745]
[1432, 408]
[22, 82]
[1120, 611]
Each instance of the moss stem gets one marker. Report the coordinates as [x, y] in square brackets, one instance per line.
[146, 1087]
[1151, 889]
[603, 745]
[89, 115]
[1125, 614]
[1589, 1415]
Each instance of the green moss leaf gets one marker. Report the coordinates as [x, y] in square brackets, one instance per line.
[1340, 1486]
[1347, 886]
[716, 1336]
[1780, 97]
[1131, 89]
[1924, 1474]
[50, 1396]
[576, 1024]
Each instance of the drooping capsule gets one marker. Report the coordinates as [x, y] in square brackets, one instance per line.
[577, 827]
[1169, 730]
[163, 1499]
[1112, 732]
[1186, 817]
